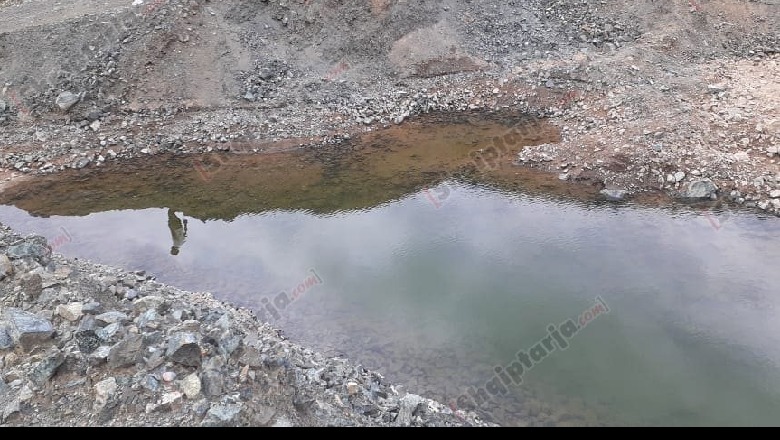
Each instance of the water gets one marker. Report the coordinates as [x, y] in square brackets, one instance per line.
[437, 285]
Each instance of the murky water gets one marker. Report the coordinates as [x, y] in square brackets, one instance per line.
[393, 256]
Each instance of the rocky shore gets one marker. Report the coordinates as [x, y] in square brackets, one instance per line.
[88, 345]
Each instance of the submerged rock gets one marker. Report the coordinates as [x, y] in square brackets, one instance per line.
[699, 189]
[614, 194]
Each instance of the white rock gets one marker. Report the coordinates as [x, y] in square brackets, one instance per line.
[191, 386]
[104, 390]
[71, 312]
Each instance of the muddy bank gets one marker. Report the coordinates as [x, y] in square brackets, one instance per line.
[647, 97]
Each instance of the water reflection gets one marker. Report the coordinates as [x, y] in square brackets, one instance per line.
[178, 229]
[437, 295]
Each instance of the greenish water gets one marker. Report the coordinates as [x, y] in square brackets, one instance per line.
[438, 281]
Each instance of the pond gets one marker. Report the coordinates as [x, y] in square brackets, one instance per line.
[502, 290]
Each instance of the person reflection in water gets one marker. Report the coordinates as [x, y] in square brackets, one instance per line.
[178, 229]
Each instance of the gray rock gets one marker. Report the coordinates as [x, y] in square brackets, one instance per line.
[99, 355]
[3, 106]
[92, 308]
[66, 100]
[183, 348]
[72, 312]
[46, 368]
[699, 189]
[28, 329]
[150, 383]
[6, 340]
[410, 405]
[32, 286]
[222, 415]
[10, 409]
[201, 407]
[126, 352]
[149, 302]
[107, 332]
[775, 193]
[4, 389]
[112, 317]
[148, 319]
[212, 383]
[614, 194]
[35, 248]
[6, 267]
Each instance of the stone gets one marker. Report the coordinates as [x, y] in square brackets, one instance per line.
[87, 341]
[99, 355]
[6, 267]
[3, 106]
[191, 386]
[679, 176]
[170, 398]
[32, 286]
[352, 388]
[72, 312]
[112, 317]
[4, 389]
[184, 349]
[150, 383]
[775, 193]
[35, 248]
[104, 391]
[614, 194]
[222, 415]
[212, 383]
[107, 332]
[6, 340]
[148, 302]
[45, 369]
[25, 394]
[92, 308]
[148, 319]
[410, 405]
[66, 100]
[126, 352]
[699, 189]
[28, 329]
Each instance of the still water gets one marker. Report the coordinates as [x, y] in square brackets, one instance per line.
[437, 285]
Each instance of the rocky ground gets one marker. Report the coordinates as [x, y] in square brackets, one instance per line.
[679, 97]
